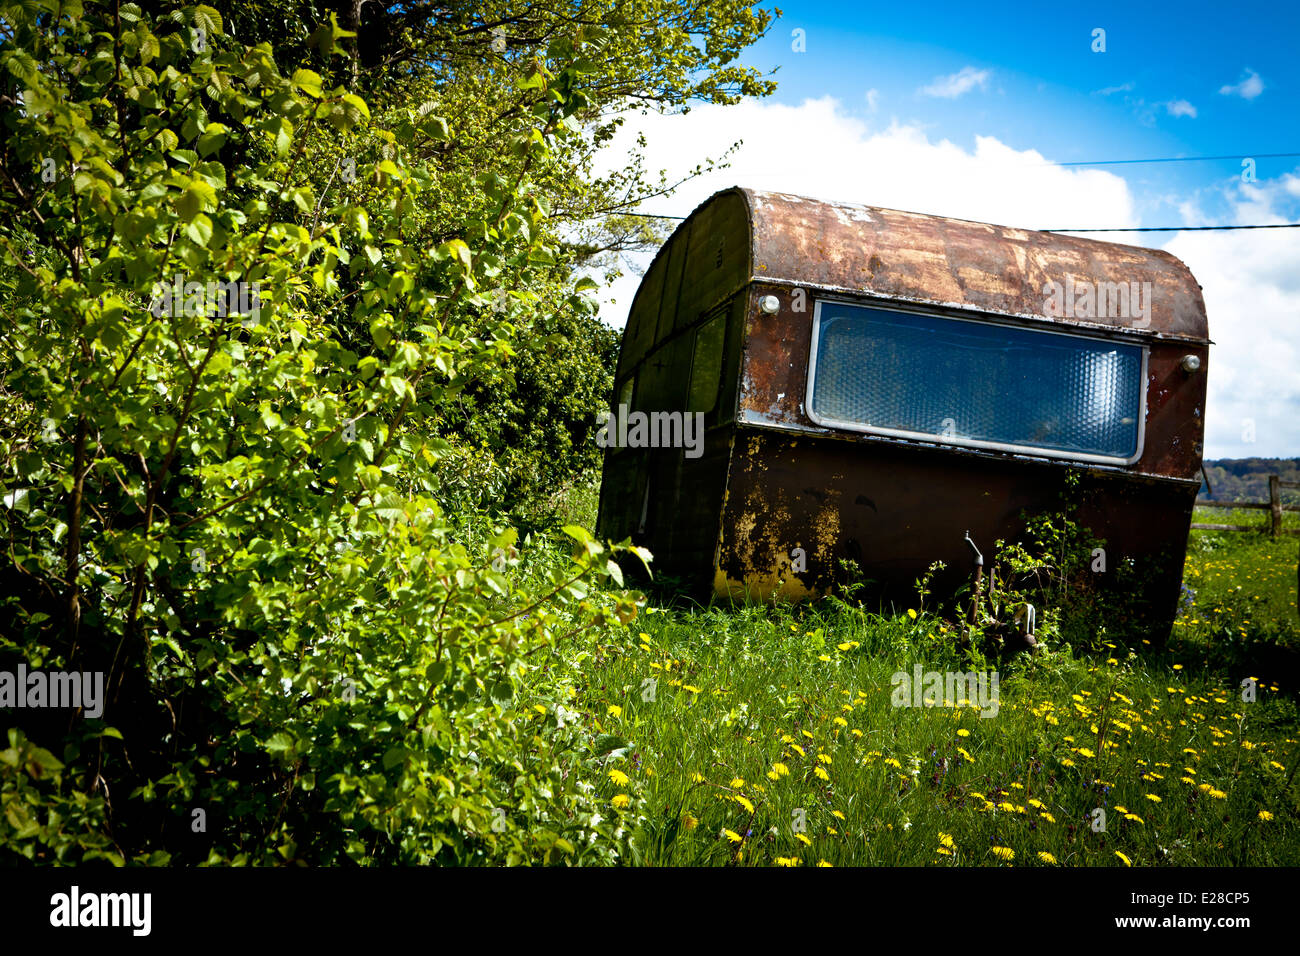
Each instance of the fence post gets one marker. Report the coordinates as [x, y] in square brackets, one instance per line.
[1275, 504]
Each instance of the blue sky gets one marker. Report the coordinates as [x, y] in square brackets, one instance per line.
[962, 110]
[1047, 90]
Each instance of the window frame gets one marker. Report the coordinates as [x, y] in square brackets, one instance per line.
[958, 442]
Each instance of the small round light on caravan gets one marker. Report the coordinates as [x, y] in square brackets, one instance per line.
[770, 304]
[1191, 363]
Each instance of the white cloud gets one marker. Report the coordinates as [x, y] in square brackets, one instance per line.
[955, 84]
[1180, 108]
[1250, 285]
[1249, 87]
[1123, 88]
[817, 149]
[873, 96]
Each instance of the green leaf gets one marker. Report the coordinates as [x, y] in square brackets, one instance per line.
[308, 81]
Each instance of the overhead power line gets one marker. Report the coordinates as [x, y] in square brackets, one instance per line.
[1280, 225]
[1178, 159]
[1119, 162]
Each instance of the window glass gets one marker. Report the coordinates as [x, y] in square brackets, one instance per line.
[976, 383]
[706, 366]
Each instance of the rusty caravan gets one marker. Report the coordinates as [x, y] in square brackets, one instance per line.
[871, 384]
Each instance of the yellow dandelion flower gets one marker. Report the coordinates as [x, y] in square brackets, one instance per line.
[749, 807]
[690, 822]
[963, 732]
[824, 863]
[836, 813]
[803, 839]
[1127, 861]
[619, 777]
[824, 758]
[787, 861]
[1153, 798]
[614, 710]
[1047, 858]
[1048, 817]
[1004, 852]
[1265, 815]
[945, 839]
[621, 800]
[820, 772]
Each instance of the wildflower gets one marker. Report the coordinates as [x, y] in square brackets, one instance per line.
[1048, 817]
[1047, 858]
[619, 777]
[1004, 852]
[787, 861]
[733, 836]
[690, 822]
[1127, 861]
[622, 800]
[821, 773]
[945, 839]
[614, 710]
[823, 758]
[737, 783]
[837, 813]
[1265, 815]
[1152, 797]
[823, 863]
[749, 807]
[803, 839]
[963, 732]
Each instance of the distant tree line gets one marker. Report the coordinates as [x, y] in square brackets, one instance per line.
[1243, 479]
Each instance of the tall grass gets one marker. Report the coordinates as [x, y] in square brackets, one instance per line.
[764, 735]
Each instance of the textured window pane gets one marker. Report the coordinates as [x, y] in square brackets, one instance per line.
[975, 382]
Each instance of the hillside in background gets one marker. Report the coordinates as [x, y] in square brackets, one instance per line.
[1239, 479]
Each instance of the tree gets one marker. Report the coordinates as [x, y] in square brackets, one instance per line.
[216, 500]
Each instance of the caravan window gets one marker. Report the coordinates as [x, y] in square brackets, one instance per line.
[976, 383]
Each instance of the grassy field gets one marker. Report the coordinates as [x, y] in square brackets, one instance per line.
[768, 735]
